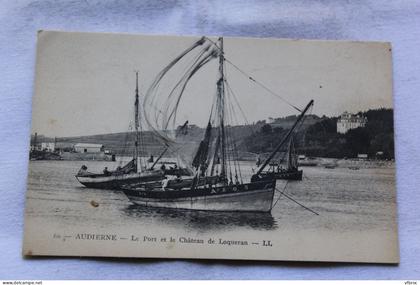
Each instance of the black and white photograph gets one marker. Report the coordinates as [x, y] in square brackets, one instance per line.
[211, 147]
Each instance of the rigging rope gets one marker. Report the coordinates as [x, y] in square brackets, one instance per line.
[233, 117]
[254, 80]
[236, 154]
[290, 198]
[162, 120]
[239, 106]
[278, 198]
[229, 139]
[263, 86]
[301, 124]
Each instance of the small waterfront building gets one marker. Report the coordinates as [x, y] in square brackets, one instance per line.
[379, 155]
[349, 121]
[362, 156]
[64, 146]
[36, 147]
[88, 148]
[48, 146]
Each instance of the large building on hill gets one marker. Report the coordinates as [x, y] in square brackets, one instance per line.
[349, 121]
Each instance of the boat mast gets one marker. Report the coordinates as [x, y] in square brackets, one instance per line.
[285, 138]
[136, 125]
[290, 155]
[221, 96]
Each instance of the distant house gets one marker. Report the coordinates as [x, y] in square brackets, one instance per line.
[362, 156]
[349, 121]
[36, 147]
[48, 146]
[379, 154]
[88, 148]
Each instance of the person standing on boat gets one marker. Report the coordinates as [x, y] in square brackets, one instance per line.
[106, 171]
[165, 182]
[83, 170]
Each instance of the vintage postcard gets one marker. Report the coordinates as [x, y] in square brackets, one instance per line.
[211, 148]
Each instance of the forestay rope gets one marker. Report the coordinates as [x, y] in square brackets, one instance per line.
[256, 81]
[291, 199]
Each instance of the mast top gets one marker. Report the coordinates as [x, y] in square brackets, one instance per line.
[285, 138]
[137, 82]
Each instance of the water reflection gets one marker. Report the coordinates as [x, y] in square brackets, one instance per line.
[203, 221]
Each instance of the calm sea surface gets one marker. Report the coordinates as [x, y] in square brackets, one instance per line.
[346, 200]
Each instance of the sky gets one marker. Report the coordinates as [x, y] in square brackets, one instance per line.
[85, 82]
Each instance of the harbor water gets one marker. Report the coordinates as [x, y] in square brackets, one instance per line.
[355, 199]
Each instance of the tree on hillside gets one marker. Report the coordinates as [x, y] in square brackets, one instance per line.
[357, 141]
[264, 140]
[322, 139]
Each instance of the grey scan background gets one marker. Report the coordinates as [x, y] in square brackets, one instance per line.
[396, 22]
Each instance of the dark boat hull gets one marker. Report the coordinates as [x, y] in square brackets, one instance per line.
[249, 197]
[285, 175]
[116, 182]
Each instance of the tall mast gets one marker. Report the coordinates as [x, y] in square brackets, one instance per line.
[285, 138]
[136, 124]
[290, 154]
[221, 94]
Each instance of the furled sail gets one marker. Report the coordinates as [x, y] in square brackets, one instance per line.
[200, 158]
[129, 167]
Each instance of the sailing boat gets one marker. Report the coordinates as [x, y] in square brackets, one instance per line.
[132, 172]
[291, 172]
[217, 183]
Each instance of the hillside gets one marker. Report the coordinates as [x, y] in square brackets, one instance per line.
[321, 138]
[317, 137]
[123, 143]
